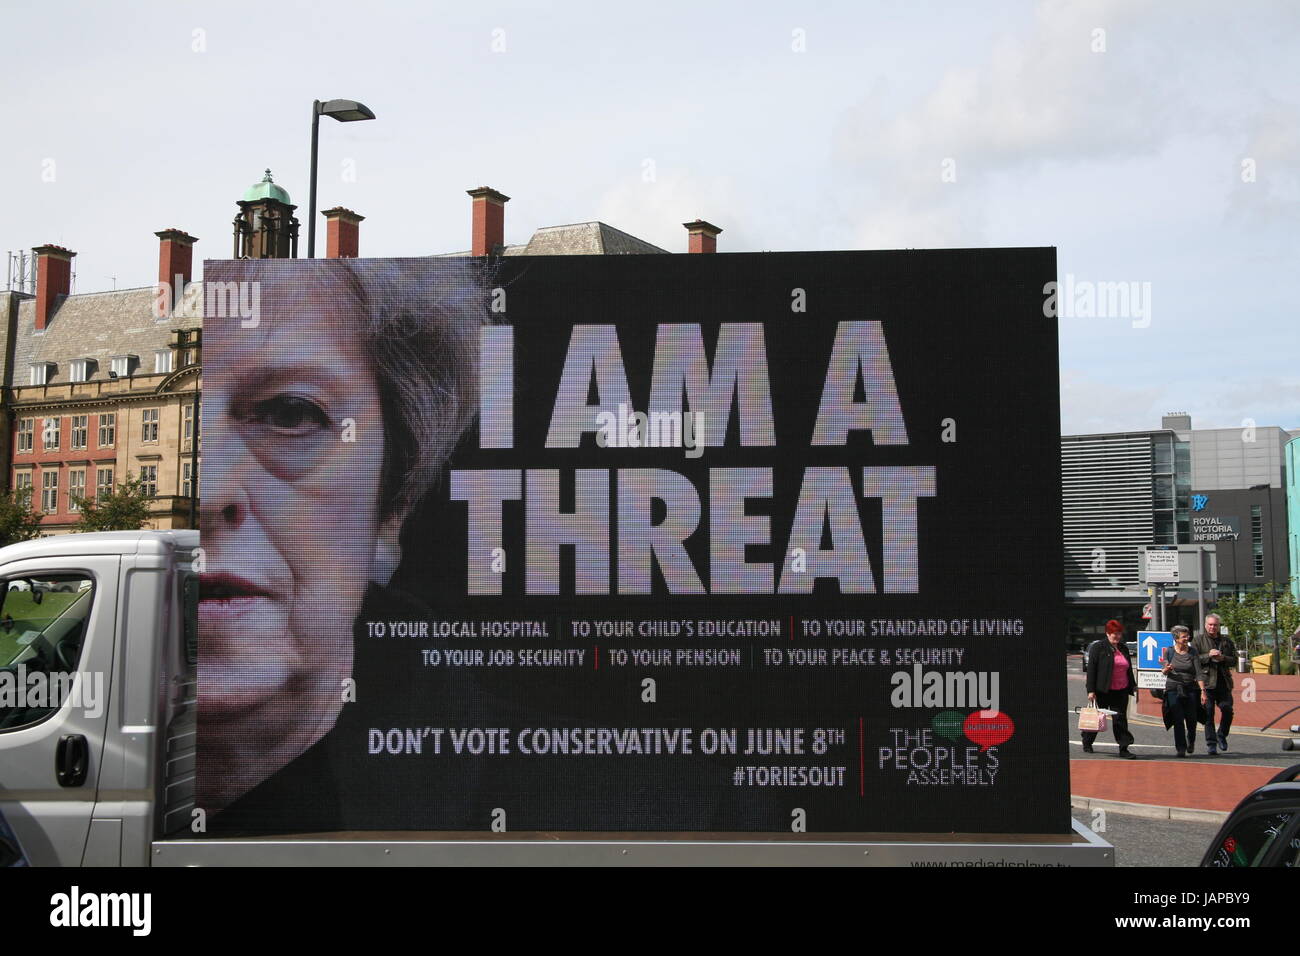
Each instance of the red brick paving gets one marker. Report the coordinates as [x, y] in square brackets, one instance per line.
[1167, 783]
[1274, 695]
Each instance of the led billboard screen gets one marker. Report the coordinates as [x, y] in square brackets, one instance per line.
[751, 542]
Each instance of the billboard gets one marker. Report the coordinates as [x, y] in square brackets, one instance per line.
[744, 542]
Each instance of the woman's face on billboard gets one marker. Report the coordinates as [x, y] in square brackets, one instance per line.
[294, 444]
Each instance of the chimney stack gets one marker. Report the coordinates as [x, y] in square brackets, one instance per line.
[701, 236]
[342, 233]
[175, 263]
[53, 279]
[489, 221]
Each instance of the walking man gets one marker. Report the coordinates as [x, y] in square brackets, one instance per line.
[1217, 655]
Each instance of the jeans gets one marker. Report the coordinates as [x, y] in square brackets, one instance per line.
[1116, 700]
[1183, 700]
[1221, 697]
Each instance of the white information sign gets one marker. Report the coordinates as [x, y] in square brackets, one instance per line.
[1161, 566]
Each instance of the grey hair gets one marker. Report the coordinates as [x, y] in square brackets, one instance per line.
[421, 321]
[1179, 629]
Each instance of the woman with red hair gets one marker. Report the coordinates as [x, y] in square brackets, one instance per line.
[1110, 682]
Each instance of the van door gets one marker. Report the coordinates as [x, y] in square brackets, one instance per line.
[57, 628]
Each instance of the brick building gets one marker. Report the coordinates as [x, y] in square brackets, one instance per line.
[105, 385]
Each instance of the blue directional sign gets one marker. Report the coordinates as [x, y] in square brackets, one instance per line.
[1151, 648]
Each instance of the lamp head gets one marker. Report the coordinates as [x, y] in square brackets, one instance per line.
[345, 111]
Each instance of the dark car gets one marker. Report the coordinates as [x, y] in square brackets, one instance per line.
[1264, 830]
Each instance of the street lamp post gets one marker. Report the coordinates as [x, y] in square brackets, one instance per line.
[345, 111]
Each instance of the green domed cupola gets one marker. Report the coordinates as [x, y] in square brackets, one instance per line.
[266, 227]
[266, 189]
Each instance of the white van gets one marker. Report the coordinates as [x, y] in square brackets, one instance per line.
[98, 645]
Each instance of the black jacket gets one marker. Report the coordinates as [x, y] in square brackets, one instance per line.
[1101, 661]
[1214, 672]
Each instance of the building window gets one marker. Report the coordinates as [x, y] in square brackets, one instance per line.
[26, 433]
[80, 370]
[50, 436]
[189, 474]
[162, 361]
[122, 365]
[50, 491]
[1163, 523]
[187, 426]
[80, 426]
[187, 341]
[23, 479]
[76, 488]
[1163, 491]
[40, 373]
[103, 483]
[149, 425]
[1162, 454]
[149, 480]
[107, 430]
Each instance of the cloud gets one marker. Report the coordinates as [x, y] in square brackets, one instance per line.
[1090, 405]
[1103, 82]
[1267, 400]
[1268, 190]
[653, 207]
[1044, 95]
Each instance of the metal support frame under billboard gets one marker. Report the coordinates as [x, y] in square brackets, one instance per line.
[1081, 848]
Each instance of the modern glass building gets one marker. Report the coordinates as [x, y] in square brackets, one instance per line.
[1219, 487]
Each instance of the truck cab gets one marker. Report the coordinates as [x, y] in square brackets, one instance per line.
[98, 651]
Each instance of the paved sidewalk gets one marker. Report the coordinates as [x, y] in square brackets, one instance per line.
[1167, 787]
[1271, 697]
[1161, 786]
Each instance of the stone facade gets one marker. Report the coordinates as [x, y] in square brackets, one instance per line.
[108, 389]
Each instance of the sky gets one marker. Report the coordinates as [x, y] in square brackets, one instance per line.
[1156, 145]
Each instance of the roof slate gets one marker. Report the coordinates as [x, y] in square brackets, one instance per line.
[100, 325]
[579, 239]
